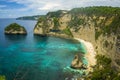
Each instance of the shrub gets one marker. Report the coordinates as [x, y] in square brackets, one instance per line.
[106, 43]
[97, 34]
[103, 70]
[56, 23]
[67, 31]
[2, 77]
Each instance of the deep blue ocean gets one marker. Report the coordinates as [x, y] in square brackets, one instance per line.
[32, 57]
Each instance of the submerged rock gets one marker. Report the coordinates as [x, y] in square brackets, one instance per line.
[15, 28]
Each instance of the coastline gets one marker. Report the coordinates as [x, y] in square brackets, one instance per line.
[87, 48]
[90, 55]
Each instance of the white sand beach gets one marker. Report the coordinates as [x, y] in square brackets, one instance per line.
[90, 55]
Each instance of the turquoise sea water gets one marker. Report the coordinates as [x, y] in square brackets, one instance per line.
[32, 57]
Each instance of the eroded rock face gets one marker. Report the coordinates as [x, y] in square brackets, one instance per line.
[77, 62]
[15, 28]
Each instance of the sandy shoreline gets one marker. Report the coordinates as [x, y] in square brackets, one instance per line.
[90, 55]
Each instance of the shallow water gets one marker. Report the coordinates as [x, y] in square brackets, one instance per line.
[32, 57]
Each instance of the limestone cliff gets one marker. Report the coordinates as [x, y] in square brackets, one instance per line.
[98, 25]
[15, 28]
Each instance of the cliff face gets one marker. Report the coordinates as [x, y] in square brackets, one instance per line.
[98, 25]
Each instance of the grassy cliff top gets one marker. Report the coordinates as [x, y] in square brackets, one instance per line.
[97, 10]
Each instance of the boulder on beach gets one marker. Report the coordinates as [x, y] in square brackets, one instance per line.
[77, 61]
[15, 28]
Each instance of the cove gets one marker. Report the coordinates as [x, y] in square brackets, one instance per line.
[32, 57]
[37, 58]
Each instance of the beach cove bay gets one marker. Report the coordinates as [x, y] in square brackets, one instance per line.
[32, 57]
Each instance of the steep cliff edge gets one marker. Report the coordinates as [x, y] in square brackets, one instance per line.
[98, 25]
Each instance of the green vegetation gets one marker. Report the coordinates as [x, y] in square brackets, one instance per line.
[112, 28]
[36, 17]
[56, 23]
[2, 77]
[97, 34]
[75, 23]
[41, 19]
[14, 26]
[106, 43]
[43, 24]
[103, 61]
[67, 31]
[103, 70]
[115, 25]
[105, 11]
[56, 14]
[117, 61]
[98, 11]
[110, 13]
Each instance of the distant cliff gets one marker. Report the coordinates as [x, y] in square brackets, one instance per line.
[36, 17]
[98, 25]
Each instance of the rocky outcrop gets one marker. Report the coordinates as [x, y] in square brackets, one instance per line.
[15, 28]
[77, 62]
[52, 25]
[87, 58]
[98, 25]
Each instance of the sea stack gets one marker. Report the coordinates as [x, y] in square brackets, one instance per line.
[15, 28]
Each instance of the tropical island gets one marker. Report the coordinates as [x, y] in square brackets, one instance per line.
[15, 28]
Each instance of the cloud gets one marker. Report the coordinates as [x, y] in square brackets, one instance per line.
[2, 6]
[32, 7]
[63, 4]
[49, 6]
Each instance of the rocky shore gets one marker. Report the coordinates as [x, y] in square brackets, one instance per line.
[86, 59]
[90, 55]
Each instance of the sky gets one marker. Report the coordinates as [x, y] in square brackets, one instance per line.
[18, 8]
